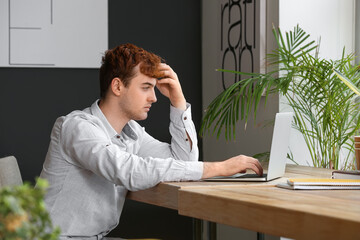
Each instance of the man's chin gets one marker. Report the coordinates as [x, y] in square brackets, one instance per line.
[141, 118]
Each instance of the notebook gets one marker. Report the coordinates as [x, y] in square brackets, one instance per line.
[320, 183]
[278, 153]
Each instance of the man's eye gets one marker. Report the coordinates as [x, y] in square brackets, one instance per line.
[146, 88]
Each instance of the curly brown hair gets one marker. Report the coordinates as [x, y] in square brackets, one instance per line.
[121, 61]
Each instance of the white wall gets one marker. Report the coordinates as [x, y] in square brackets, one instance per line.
[331, 20]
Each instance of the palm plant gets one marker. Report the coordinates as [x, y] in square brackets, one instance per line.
[325, 111]
[348, 82]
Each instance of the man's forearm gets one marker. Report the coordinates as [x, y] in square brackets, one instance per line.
[179, 103]
[211, 169]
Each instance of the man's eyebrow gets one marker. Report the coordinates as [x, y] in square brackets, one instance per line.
[148, 83]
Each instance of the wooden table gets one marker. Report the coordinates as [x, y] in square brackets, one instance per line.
[262, 207]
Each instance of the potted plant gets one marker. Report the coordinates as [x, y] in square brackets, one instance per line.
[23, 215]
[324, 109]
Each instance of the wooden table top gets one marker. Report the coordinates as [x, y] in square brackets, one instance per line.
[299, 214]
[166, 194]
[262, 207]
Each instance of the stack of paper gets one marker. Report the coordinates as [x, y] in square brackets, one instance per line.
[320, 183]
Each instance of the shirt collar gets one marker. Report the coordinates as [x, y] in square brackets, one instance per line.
[127, 130]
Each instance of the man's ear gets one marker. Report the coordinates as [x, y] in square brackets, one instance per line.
[116, 86]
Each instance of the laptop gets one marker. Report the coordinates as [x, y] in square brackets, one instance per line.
[278, 154]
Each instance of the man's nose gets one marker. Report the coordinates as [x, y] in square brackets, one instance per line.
[152, 97]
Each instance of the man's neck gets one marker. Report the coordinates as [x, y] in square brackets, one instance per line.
[113, 115]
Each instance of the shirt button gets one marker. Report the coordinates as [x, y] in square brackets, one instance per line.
[117, 136]
[185, 118]
[186, 139]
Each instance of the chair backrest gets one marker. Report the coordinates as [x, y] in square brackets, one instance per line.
[9, 172]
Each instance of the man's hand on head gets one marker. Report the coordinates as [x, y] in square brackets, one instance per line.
[170, 87]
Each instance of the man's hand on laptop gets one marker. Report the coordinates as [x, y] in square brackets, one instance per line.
[231, 166]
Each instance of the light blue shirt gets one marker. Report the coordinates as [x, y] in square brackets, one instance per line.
[90, 167]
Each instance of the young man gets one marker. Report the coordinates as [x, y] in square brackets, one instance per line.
[98, 154]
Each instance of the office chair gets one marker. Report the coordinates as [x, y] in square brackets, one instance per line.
[9, 172]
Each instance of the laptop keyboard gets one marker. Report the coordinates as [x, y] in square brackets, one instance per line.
[251, 175]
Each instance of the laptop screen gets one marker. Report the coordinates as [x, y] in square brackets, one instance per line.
[279, 145]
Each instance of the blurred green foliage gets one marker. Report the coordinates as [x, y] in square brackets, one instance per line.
[23, 214]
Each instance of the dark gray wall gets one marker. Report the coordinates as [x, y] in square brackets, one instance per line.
[32, 98]
[171, 29]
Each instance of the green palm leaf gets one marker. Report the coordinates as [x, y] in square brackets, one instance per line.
[347, 82]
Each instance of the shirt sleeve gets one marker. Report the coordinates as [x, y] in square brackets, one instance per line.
[86, 145]
[182, 130]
